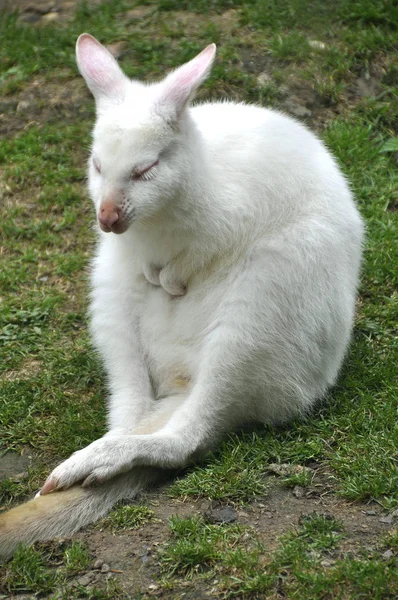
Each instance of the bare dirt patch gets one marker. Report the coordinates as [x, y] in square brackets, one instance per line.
[29, 368]
[42, 101]
[67, 98]
[43, 12]
[131, 557]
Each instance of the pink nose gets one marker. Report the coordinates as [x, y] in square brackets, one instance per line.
[109, 215]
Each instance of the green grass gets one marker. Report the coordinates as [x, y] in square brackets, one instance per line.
[43, 569]
[308, 562]
[52, 388]
[235, 474]
[196, 546]
[27, 571]
[129, 517]
[77, 558]
[294, 46]
[52, 571]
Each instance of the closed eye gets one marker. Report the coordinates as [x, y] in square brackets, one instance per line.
[145, 174]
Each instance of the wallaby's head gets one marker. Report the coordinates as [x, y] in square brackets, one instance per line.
[139, 152]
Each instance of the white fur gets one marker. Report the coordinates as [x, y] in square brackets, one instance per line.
[230, 297]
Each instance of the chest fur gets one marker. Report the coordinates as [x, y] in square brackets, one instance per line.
[173, 331]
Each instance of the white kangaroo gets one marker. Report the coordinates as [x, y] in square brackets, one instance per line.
[223, 286]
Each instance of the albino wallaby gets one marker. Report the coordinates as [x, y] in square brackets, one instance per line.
[223, 285]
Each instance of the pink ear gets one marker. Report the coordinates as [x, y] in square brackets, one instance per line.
[179, 87]
[100, 70]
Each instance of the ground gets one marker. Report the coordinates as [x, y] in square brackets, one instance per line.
[308, 511]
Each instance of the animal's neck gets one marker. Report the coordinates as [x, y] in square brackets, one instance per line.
[202, 212]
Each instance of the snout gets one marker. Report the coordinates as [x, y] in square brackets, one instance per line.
[112, 218]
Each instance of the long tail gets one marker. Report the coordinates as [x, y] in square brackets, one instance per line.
[63, 513]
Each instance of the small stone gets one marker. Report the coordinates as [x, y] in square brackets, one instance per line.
[98, 564]
[145, 558]
[388, 554]
[388, 519]
[68, 5]
[221, 514]
[145, 555]
[152, 586]
[327, 563]
[263, 79]
[12, 463]
[19, 477]
[86, 579]
[105, 568]
[298, 491]
[371, 513]
[243, 514]
[285, 469]
[297, 109]
[317, 44]
[50, 17]
[22, 105]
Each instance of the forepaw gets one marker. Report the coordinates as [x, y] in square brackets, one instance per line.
[165, 278]
[151, 273]
[170, 284]
[93, 465]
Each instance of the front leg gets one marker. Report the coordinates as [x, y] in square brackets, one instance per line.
[101, 460]
[225, 394]
[114, 328]
[192, 426]
[110, 456]
[115, 332]
[116, 452]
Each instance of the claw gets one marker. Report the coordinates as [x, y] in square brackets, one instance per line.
[151, 274]
[48, 487]
[175, 288]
